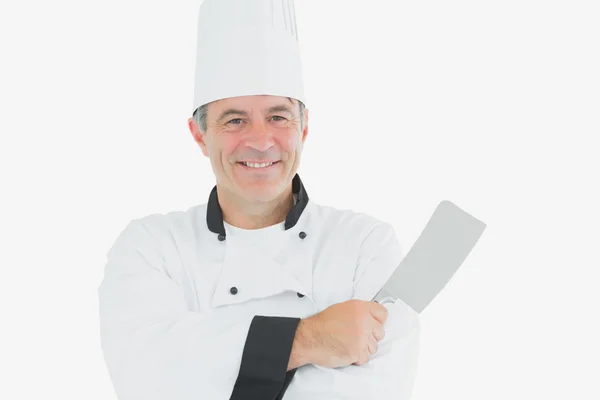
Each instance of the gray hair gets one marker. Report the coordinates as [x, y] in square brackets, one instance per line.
[199, 116]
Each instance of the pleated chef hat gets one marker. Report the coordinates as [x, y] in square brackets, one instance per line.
[247, 47]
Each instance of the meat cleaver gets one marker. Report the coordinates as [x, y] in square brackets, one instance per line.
[440, 250]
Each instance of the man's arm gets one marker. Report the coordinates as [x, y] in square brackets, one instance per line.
[156, 349]
[390, 372]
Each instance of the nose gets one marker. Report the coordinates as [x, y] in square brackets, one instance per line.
[260, 137]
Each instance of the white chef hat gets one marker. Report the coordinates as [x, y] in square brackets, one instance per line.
[247, 47]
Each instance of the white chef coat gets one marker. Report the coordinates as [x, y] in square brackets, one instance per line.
[194, 308]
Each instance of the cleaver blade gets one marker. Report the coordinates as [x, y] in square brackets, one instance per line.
[446, 241]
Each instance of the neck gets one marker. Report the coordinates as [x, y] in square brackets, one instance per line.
[248, 215]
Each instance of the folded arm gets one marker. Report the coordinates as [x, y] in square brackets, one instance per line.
[155, 348]
[390, 373]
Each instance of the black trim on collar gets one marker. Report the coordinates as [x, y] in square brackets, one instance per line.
[214, 214]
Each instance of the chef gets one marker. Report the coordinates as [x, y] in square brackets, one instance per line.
[259, 292]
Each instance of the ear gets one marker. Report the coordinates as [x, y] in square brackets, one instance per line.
[199, 137]
[305, 131]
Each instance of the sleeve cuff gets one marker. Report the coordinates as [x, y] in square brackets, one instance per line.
[263, 370]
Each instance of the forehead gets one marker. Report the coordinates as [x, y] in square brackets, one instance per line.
[258, 102]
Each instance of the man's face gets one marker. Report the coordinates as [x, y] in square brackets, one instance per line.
[254, 144]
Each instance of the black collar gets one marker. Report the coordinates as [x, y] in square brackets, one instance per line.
[214, 214]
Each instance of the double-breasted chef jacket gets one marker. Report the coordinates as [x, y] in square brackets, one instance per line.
[193, 308]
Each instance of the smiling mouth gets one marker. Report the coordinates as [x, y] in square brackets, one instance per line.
[258, 165]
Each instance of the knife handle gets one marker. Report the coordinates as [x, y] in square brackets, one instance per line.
[385, 300]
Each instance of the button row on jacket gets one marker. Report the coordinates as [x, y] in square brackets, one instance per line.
[221, 237]
[233, 290]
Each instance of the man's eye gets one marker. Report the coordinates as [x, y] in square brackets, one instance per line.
[236, 119]
[278, 118]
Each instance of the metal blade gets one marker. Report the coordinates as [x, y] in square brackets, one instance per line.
[440, 250]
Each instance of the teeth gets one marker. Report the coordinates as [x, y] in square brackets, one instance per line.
[257, 165]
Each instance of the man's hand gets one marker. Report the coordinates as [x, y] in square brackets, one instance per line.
[343, 334]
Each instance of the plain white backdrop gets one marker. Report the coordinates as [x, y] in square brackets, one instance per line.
[492, 105]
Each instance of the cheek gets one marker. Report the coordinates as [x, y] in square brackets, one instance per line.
[226, 147]
[291, 143]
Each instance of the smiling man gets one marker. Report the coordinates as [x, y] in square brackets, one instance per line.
[258, 293]
[255, 145]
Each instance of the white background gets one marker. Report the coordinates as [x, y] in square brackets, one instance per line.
[493, 105]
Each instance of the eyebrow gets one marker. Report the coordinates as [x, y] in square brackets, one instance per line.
[280, 108]
[234, 111]
[231, 111]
